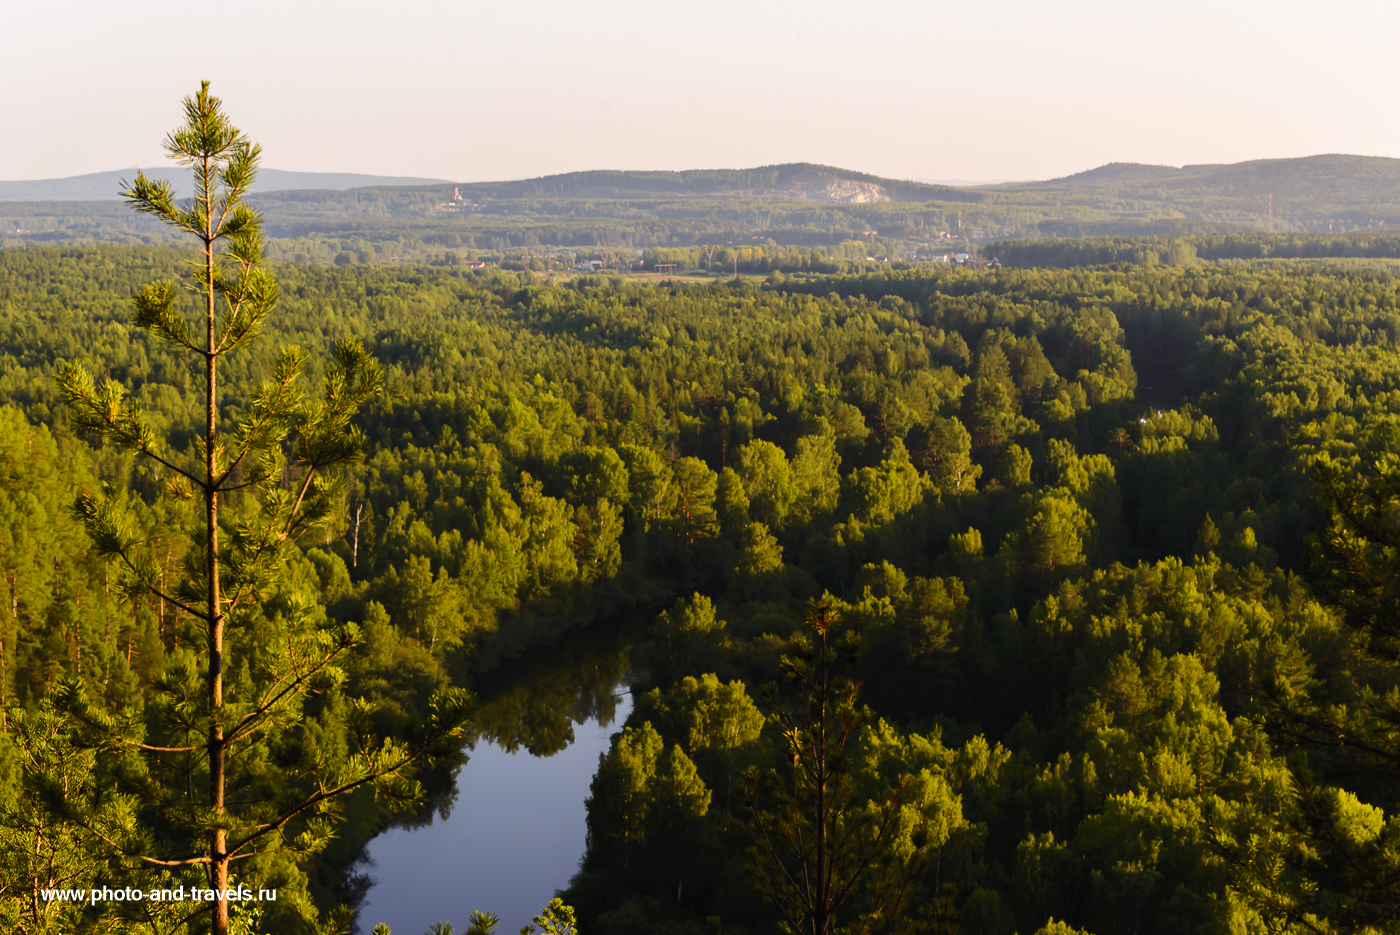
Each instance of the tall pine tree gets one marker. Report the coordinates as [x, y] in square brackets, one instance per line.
[223, 778]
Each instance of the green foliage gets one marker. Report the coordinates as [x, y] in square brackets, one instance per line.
[554, 919]
[1188, 251]
[687, 637]
[618, 803]
[1058, 928]
[716, 722]
[1330, 865]
[758, 567]
[731, 504]
[816, 841]
[816, 475]
[944, 449]
[41, 847]
[265, 794]
[679, 801]
[1016, 466]
[482, 923]
[591, 474]
[768, 481]
[1064, 511]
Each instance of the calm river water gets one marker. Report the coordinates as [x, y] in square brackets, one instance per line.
[515, 832]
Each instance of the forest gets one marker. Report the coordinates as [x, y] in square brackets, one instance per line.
[1265, 249]
[1051, 600]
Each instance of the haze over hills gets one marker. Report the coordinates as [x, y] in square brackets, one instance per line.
[1107, 174]
[1302, 188]
[318, 216]
[974, 183]
[799, 181]
[102, 186]
[791, 182]
[1307, 174]
[1311, 193]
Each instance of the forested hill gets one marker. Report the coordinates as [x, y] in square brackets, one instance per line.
[844, 214]
[1310, 173]
[798, 181]
[793, 181]
[1361, 191]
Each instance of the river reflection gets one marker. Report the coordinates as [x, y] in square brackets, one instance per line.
[514, 830]
[538, 711]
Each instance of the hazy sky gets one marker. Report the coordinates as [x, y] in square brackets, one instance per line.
[474, 91]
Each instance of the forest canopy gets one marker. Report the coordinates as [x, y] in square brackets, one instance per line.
[1101, 553]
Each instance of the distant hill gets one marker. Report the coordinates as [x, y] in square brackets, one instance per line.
[102, 186]
[1108, 174]
[975, 183]
[799, 181]
[790, 182]
[1317, 194]
[1351, 181]
[796, 205]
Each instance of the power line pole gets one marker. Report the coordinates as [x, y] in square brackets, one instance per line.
[1271, 212]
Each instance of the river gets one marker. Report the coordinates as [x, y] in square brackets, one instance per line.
[515, 832]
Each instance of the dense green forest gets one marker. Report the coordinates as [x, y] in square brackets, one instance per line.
[1182, 251]
[815, 208]
[1083, 558]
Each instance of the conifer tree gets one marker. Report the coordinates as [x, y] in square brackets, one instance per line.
[1335, 866]
[261, 486]
[816, 845]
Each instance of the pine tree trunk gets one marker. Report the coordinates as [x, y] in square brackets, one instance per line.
[820, 922]
[4, 662]
[218, 843]
[355, 548]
